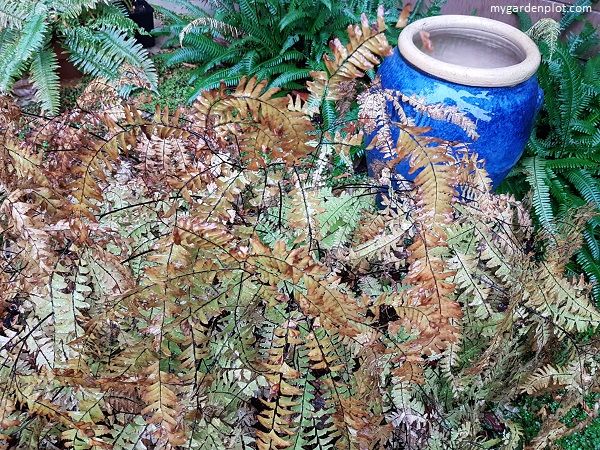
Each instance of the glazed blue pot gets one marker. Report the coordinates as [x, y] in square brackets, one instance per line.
[501, 96]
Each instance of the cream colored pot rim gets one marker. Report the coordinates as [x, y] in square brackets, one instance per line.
[471, 76]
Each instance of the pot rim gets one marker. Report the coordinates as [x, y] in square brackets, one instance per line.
[471, 76]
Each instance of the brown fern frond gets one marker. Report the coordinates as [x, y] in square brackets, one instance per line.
[428, 272]
[549, 377]
[441, 111]
[320, 296]
[255, 126]
[158, 393]
[382, 236]
[350, 62]
[277, 416]
[27, 227]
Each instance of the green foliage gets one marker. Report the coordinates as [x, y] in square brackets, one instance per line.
[587, 439]
[282, 40]
[172, 91]
[96, 34]
[562, 159]
[192, 280]
[531, 411]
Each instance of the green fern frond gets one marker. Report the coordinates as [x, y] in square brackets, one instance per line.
[586, 184]
[116, 42]
[294, 74]
[329, 114]
[592, 141]
[560, 191]
[185, 54]
[537, 177]
[340, 219]
[267, 72]
[584, 41]
[217, 27]
[572, 14]
[104, 54]
[203, 46]
[88, 57]
[70, 9]
[44, 75]
[173, 19]
[591, 239]
[524, 20]
[213, 81]
[14, 14]
[590, 265]
[572, 95]
[294, 15]
[25, 43]
[585, 126]
[110, 15]
[571, 163]
[230, 55]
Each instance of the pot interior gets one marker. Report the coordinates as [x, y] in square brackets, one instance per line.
[471, 48]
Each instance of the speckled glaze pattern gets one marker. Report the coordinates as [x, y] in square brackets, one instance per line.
[504, 115]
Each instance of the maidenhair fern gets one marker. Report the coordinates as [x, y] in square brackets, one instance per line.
[196, 280]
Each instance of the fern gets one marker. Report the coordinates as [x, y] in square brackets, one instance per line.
[112, 49]
[562, 162]
[13, 14]
[24, 44]
[276, 32]
[96, 34]
[199, 279]
[546, 30]
[537, 176]
[43, 74]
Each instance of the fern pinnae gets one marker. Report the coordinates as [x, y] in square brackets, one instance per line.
[176, 21]
[584, 41]
[571, 163]
[73, 8]
[546, 376]
[586, 185]
[28, 41]
[184, 54]
[572, 95]
[536, 176]
[46, 81]
[100, 65]
[571, 15]
[545, 29]
[213, 81]
[224, 29]
[293, 16]
[127, 48]
[13, 15]
[591, 239]
[115, 16]
[287, 78]
[589, 263]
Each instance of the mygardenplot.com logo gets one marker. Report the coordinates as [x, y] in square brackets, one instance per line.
[545, 9]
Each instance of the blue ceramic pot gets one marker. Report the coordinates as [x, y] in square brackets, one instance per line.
[500, 94]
